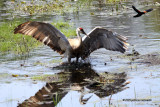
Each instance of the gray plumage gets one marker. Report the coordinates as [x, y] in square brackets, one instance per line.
[103, 38]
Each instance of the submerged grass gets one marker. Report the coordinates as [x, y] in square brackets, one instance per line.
[19, 44]
[41, 77]
[51, 77]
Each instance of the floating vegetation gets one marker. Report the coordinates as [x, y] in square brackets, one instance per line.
[56, 61]
[40, 7]
[51, 78]
[15, 75]
[40, 77]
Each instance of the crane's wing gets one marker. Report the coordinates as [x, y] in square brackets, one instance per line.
[103, 38]
[45, 33]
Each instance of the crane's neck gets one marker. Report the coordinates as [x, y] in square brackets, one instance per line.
[79, 38]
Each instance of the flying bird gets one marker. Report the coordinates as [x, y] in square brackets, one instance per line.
[80, 47]
[139, 13]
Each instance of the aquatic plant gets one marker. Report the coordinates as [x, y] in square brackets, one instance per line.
[40, 7]
[55, 6]
[54, 78]
[42, 77]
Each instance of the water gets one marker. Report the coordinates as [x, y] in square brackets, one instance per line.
[143, 35]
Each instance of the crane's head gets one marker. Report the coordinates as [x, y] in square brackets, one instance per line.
[80, 30]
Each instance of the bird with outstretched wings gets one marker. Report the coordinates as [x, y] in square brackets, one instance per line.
[73, 48]
[139, 13]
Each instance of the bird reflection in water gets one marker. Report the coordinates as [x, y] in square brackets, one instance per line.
[81, 78]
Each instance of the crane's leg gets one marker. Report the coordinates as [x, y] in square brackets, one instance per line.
[69, 59]
[77, 59]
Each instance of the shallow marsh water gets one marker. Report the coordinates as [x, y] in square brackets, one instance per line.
[143, 35]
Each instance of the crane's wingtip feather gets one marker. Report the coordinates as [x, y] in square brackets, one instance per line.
[19, 27]
[127, 44]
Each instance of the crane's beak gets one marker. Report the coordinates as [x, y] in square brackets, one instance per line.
[83, 32]
[88, 36]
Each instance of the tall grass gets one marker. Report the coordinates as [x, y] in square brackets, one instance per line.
[11, 43]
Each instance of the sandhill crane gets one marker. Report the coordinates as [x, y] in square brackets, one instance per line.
[73, 48]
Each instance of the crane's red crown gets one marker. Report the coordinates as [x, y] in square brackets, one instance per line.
[81, 28]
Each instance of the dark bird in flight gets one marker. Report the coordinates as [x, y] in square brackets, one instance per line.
[73, 48]
[139, 13]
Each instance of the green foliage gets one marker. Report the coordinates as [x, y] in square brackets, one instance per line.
[18, 44]
[65, 27]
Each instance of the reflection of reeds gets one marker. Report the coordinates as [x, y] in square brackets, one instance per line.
[48, 96]
[56, 99]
